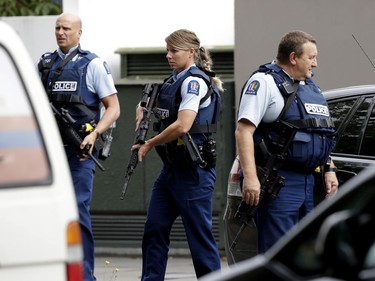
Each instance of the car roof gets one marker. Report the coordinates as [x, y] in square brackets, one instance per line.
[352, 91]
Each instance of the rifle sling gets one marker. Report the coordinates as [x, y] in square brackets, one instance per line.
[209, 128]
[289, 101]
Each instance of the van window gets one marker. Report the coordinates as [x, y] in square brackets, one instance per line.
[23, 158]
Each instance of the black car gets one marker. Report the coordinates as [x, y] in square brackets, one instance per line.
[353, 112]
[335, 242]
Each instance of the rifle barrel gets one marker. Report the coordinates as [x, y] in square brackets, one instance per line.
[133, 161]
[150, 93]
[96, 161]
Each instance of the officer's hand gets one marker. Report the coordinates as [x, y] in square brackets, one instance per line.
[332, 183]
[251, 191]
[138, 116]
[88, 142]
[143, 150]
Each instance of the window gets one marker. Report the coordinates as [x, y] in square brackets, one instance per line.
[368, 138]
[23, 159]
[151, 63]
[351, 116]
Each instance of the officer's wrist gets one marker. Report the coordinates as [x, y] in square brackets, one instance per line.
[327, 165]
[331, 169]
[97, 133]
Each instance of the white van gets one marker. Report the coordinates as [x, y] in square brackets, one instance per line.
[39, 231]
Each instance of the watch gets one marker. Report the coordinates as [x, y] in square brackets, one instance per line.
[327, 165]
[332, 169]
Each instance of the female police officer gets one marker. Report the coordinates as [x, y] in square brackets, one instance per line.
[183, 188]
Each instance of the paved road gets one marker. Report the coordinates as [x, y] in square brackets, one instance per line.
[128, 268]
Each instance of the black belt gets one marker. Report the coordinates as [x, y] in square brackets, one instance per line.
[313, 123]
[297, 168]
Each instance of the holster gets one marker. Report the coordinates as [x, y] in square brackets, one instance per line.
[164, 154]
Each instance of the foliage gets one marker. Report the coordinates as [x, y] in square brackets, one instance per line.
[10, 8]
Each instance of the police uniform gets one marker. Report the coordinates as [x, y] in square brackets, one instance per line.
[182, 189]
[261, 104]
[88, 77]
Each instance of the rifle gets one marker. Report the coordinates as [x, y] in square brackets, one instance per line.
[270, 181]
[65, 120]
[150, 93]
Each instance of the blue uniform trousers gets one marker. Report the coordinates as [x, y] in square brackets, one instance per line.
[277, 216]
[180, 190]
[83, 179]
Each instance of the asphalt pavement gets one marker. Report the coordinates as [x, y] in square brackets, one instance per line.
[115, 264]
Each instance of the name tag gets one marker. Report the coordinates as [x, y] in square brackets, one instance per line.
[316, 109]
[69, 86]
[162, 113]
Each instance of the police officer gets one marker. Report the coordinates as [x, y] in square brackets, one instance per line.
[79, 82]
[261, 104]
[184, 188]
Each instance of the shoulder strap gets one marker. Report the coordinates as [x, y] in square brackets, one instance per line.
[45, 65]
[76, 100]
[208, 94]
[289, 101]
[284, 86]
[287, 90]
[207, 128]
[60, 68]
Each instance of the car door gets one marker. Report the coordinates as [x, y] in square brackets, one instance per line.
[335, 242]
[354, 118]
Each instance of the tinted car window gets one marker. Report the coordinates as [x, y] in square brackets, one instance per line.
[23, 159]
[351, 117]
[367, 147]
[339, 110]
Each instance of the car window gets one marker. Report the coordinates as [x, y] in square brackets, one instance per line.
[339, 110]
[351, 117]
[23, 159]
[367, 147]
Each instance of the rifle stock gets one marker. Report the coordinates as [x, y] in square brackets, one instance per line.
[150, 93]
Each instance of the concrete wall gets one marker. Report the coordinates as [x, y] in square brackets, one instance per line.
[37, 33]
[260, 24]
[113, 24]
[254, 26]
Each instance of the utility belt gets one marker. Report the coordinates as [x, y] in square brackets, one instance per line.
[185, 151]
[298, 168]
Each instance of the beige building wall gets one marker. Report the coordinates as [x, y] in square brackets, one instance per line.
[260, 24]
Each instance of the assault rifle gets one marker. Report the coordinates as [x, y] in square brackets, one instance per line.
[150, 93]
[270, 181]
[65, 121]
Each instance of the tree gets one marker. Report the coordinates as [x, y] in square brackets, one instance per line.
[10, 8]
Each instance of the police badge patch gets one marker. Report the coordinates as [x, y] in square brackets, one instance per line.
[253, 88]
[193, 87]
